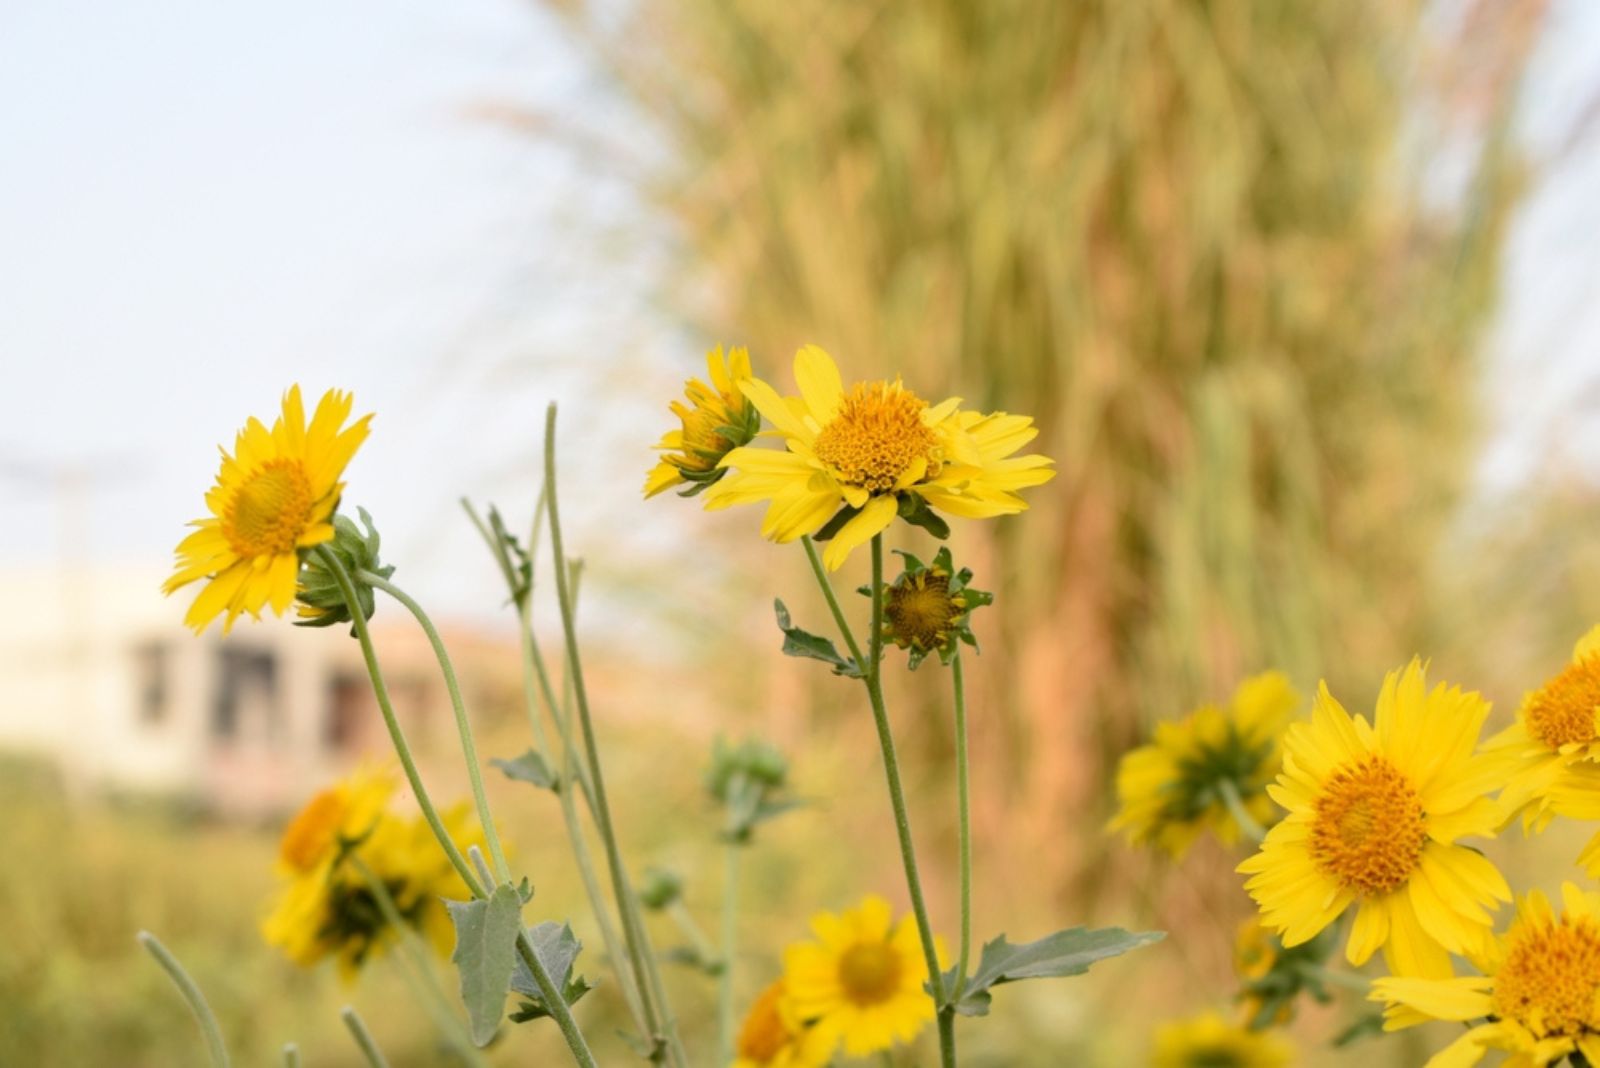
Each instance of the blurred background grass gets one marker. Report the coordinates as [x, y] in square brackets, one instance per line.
[1240, 258]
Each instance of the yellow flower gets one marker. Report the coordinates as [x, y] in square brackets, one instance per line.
[718, 419]
[1171, 789]
[1209, 1041]
[774, 1037]
[1540, 995]
[860, 982]
[327, 907]
[873, 452]
[274, 497]
[1374, 813]
[1551, 754]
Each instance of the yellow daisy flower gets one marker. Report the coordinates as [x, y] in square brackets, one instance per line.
[718, 419]
[1171, 791]
[334, 819]
[1551, 753]
[1539, 998]
[860, 982]
[870, 453]
[1374, 812]
[774, 1037]
[1209, 1041]
[274, 497]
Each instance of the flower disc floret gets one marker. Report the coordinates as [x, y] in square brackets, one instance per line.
[1550, 978]
[1562, 712]
[1368, 831]
[878, 437]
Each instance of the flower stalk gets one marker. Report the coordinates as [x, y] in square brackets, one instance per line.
[191, 994]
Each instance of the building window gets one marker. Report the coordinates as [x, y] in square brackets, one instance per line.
[150, 682]
[348, 706]
[247, 695]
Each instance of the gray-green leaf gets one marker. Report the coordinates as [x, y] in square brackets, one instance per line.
[1063, 953]
[557, 949]
[486, 938]
[801, 643]
[530, 768]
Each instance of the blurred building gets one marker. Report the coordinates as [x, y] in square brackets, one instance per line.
[98, 675]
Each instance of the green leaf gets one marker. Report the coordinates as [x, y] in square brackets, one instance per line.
[530, 768]
[836, 524]
[1368, 1025]
[915, 510]
[557, 949]
[486, 937]
[1064, 953]
[797, 642]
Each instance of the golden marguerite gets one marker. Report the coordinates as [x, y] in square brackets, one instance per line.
[717, 419]
[1209, 1041]
[1539, 998]
[1374, 814]
[866, 451]
[773, 1036]
[274, 497]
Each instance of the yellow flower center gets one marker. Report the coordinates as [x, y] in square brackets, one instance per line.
[876, 437]
[1369, 827]
[1562, 711]
[270, 510]
[310, 835]
[920, 611]
[870, 972]
[764, 1034]
[1550, 980]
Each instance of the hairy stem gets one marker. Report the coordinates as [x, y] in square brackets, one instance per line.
[191, 993]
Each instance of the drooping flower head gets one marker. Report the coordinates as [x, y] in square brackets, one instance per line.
[1374, 815]
[1539, 996]
[327, 907]
[926, 609]
[274, 498]
[1172, 790]
[860, 981]
[1551, 753]
[1209, 1041]
[774, 1037]
[717, 419]
[856, 458]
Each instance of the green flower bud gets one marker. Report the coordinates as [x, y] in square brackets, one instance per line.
[320, 601]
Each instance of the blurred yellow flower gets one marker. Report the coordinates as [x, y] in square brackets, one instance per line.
[1373, 817]
[273, 498]
[1209, 1041]
[717, 420]
[1171, 790]
[1551, 754]
[328, 907]
[870, 453]
[1540, 996]
[860, 982]
[774, 1037]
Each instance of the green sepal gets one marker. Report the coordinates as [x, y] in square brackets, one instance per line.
[486, 939]
[557, 949]
[914, 510]
[319, 588]
[836, 524]
[800, 643]
[530, 768]
[1064, 953]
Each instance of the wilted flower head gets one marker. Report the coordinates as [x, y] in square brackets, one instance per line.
[926, 609]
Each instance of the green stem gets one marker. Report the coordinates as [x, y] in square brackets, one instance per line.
[191, 993]
[469, 749]
[420, 975]
[363, 1037]
[1229, 793]
[640, 952]
[291, 1055]
[1334, 977]
[559, 1010]
[964, 809]
[891, 770]
[730, 939]
[380, 689]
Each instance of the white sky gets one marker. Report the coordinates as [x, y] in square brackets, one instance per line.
[202, 202]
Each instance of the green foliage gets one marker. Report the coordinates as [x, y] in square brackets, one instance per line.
[801, 643]
[486, 938]
[557, 949]
[748, 780]
[319, 589]
[1064, 953]
[529, 768]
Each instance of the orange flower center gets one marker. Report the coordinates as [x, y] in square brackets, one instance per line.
[764, 1034]
[310, 835]
[1562, 711]
[1550, 980]
[1369, 828]
[270, 511]
[869, 972]
[876, 437]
